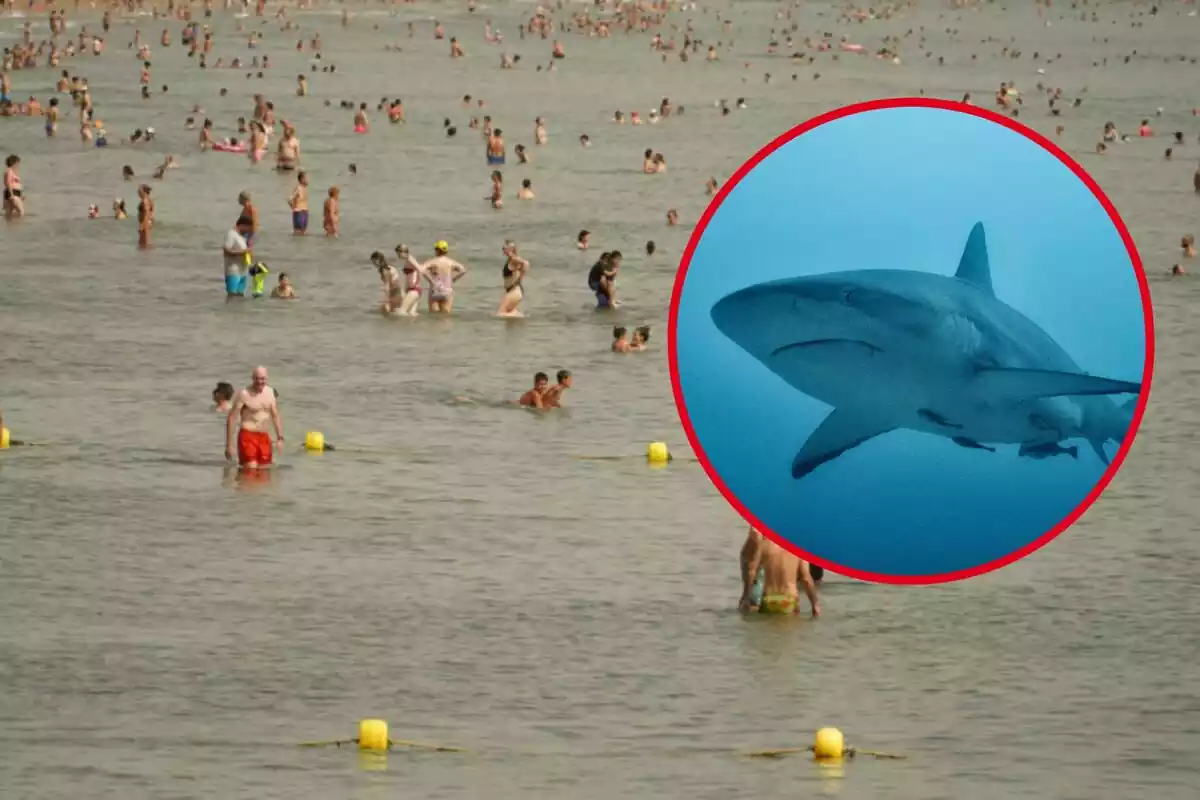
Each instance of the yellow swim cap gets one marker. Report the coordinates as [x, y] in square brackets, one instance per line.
[442, 245]
[4, 438]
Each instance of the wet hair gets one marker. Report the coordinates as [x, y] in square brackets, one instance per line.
[615, 254]
[451, 130]
[562, 375]
[644, 332]
[541, 376]
[224, 390]
[650, 247]
[527, 183]
[583, 234]
[11, 160]
[618, 332]
[378, 260]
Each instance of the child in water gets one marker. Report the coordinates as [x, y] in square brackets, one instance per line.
[619, 345]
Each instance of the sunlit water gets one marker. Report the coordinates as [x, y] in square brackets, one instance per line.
[458, 569]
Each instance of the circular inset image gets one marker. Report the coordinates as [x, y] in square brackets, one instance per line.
[911, 340]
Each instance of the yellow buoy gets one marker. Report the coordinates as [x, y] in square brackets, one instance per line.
[657, 453]
[315, 441]
[829, 744]
[372, 735]
[4, 438]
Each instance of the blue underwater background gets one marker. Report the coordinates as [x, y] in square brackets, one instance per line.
[901, 189]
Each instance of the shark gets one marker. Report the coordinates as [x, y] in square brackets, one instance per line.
[892, 349]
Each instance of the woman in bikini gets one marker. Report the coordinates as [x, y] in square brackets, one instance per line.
[145, 216]
[14, 200]
[513, 273]
[413, 275]
[497, 195]
[392, 292]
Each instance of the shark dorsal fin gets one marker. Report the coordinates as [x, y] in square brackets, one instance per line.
[973, 267]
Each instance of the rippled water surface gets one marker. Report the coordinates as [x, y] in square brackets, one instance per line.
[457, 568]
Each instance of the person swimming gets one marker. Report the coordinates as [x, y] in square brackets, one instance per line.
[781, 571]
[619, 345]
[552, 397]
[393, 293]
[602, 279]
[513, 274]
[222, 397]
[534, 398]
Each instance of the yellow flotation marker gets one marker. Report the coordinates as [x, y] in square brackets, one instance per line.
[658, 453]
[4, 438]
[314, 442]
[829, 743]
[372, 733]
[828, 746]
[373, 738]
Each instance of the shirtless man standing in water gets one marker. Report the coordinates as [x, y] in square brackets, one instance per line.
[781, 571]
[253, 408]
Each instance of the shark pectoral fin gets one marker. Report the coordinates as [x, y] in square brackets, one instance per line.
[1031, 384]
[1098, 448]
[930, 415]
[841, 431]
[973, 267]
[971, 444]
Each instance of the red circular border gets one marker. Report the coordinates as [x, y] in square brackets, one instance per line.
[945, 105]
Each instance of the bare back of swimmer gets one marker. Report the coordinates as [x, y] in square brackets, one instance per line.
[782, 570]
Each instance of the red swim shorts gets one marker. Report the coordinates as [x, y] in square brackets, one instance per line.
[254, 447]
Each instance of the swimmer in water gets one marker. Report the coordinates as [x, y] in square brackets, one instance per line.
[393, 292]
[284, 289]
[298, 201]
[584, 238]
[619, 345]
[222, 397]
[535, 397]
[1188, 243]
[552, 397]
[413, 274]
[641, 335]
[443, 273]
[602, 279]
[253, 409]
[497, 194]
[782, 572]
[333, 212]
[513, 273]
